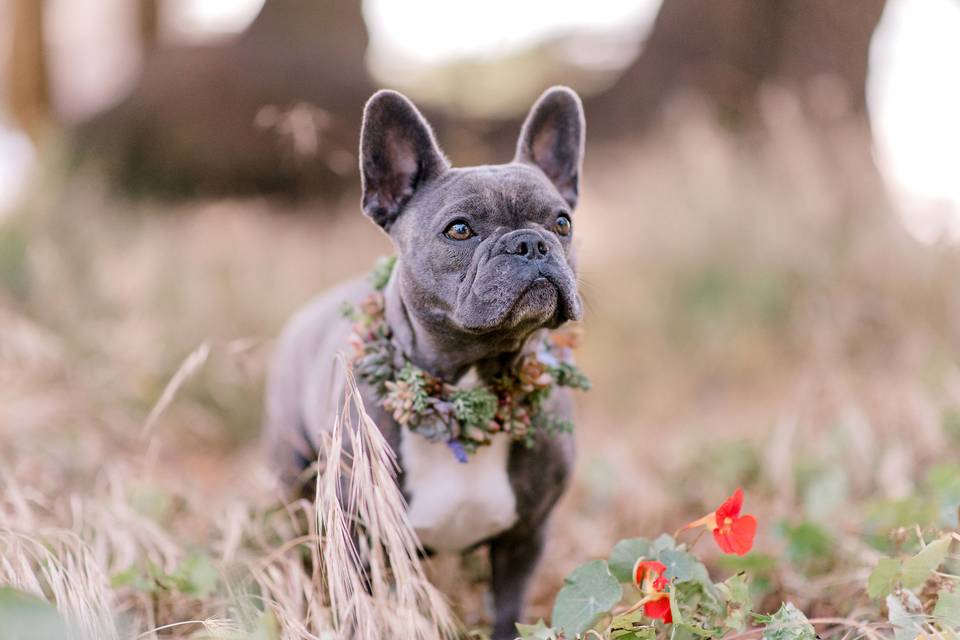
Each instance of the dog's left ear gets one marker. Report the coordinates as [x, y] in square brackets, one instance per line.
[552, 139]
[398, 154]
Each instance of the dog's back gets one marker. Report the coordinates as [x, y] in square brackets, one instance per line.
[304, 386]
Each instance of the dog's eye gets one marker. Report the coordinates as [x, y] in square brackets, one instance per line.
[459, 231]
[563, 226]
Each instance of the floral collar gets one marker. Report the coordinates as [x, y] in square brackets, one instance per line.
[465, 419]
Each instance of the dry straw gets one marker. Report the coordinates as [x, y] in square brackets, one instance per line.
[377, 587]
[346, 566]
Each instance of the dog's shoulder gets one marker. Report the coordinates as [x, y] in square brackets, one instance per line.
[303, 388]
[322, 316]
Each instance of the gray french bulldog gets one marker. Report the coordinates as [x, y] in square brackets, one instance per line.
[485, 265]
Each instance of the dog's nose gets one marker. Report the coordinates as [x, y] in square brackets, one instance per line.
[528, 244]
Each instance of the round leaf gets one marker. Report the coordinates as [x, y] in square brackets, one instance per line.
[588, 592]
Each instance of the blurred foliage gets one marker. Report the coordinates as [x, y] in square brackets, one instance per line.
[27, 617]
[14, 270]
[196, 576]
[951, 425]
[754, 319]
[718, 299]
[809, 546]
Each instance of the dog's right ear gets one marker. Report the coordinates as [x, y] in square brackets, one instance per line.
[398, 154]
[552, 139]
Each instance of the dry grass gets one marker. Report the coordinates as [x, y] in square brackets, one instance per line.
[380, 589]
[295, 569]
[755, 311]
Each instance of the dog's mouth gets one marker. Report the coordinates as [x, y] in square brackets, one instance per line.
[548, 300]
[540, 300]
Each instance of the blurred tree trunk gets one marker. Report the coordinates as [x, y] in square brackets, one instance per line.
[28, 90]
[149, 23]
[274, 110]
[727, 53]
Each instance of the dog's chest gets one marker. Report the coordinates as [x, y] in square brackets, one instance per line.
[455, 505]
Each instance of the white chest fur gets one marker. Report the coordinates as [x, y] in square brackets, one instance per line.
[454, 505]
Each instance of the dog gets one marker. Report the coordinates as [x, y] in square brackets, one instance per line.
[485, 265]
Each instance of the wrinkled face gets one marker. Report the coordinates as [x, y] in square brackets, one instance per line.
[490, 249]
[483, 250]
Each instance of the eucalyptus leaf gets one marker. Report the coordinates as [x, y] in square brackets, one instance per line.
[588, 592]
[884, 577]
[947, 611]
[917, 569]
[906, 615]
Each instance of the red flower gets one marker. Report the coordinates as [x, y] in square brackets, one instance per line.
[734, 533]
[648, 576]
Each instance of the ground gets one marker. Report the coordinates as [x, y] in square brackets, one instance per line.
[755, 317]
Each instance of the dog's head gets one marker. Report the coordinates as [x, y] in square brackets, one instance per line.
[482, 250]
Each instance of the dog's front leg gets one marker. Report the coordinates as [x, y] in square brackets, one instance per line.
[513, 558]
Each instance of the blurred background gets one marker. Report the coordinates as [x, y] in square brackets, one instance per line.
[768, 229]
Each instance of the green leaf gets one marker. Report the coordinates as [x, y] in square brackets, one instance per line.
[682, 566]
[382, 270]
[807, 542]
[539, 631]
[133, 577]
[736, 592]
[917, 569]
[905, 612]
[151, 501]
[196, 576]
[567, 374]
[643, 633]
[736, 589]
[886, 515]
[268, 628]
[696, 609]
[947, 611]
[826, 492]
[944, 481]
[588, 592]
[951, 424]
[27, 617]
[685, 567]
[884, 577]
[754, 563]
[474, 407]
[663, 542]
[631, 626]
[15, 269]
[789, 623]
[624, 556]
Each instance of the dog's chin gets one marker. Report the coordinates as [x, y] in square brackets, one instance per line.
[538, 305]
[541, 304]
